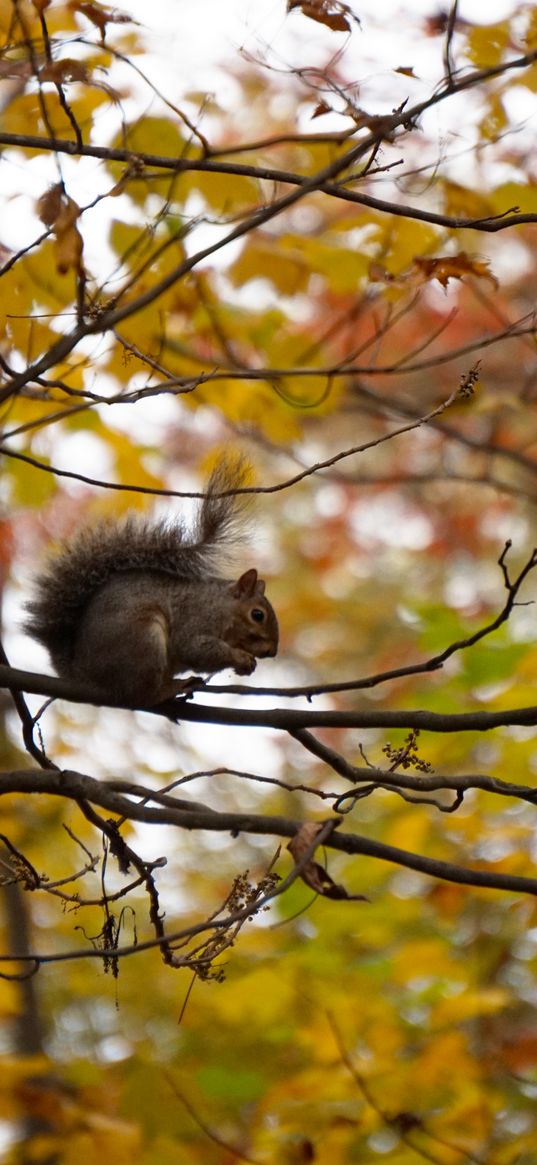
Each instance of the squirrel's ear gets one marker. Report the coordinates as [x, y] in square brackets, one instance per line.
[247, 585]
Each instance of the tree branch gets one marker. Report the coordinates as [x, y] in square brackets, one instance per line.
[287, 719]
[76, 786]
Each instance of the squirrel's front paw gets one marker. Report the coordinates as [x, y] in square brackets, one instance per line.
[244, 663]
[189, 686]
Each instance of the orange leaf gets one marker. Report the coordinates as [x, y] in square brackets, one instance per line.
[447, 267]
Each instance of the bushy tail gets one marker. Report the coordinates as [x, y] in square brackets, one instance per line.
[87, 561]
[220, 523]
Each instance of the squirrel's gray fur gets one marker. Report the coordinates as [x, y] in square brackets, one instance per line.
[100, 554]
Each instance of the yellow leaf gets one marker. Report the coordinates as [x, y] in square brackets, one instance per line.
[516, 196]
[225, 193]
[403, 240]
[9, 1000]
[461, 201]
[263, 260]
[150, 135]
[104, 1139]
[261, 996]
[29, 487]
[495, 119]
[470, 1004]
[442, 1058]
[528, 78]
[344, 268]
[23, 116]
[420, 959]
[485, 44]
[40, 270]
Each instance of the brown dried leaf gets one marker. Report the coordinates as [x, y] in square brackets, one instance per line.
[65, 70]
[49, 205]
[311, 872]
[329, 12]
[303, 839]
[447, 267]
[436, 25]
[69, 242]
[100, 16]
[60, 212]
[321, 108]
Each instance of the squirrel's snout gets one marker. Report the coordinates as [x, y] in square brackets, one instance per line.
[268, 651]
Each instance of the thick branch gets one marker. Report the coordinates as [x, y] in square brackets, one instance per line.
[286, 719]
[75, 786]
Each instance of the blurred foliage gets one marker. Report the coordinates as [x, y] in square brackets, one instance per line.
[402, 1028]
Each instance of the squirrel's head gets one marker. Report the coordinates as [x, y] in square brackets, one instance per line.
[254, 624]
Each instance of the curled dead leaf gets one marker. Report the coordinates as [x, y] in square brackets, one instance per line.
[48, 206]
[313, 874]
[99, 16]
[60, 212]
[320, 109]
[447, 267]
[332, 13]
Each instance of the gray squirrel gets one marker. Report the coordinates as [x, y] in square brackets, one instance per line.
[126, 606]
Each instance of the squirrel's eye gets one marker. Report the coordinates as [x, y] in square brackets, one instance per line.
[258, 615]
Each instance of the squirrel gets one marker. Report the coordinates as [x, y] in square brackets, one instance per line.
[125, 606]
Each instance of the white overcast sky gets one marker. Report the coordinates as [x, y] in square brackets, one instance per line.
[188, 38]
